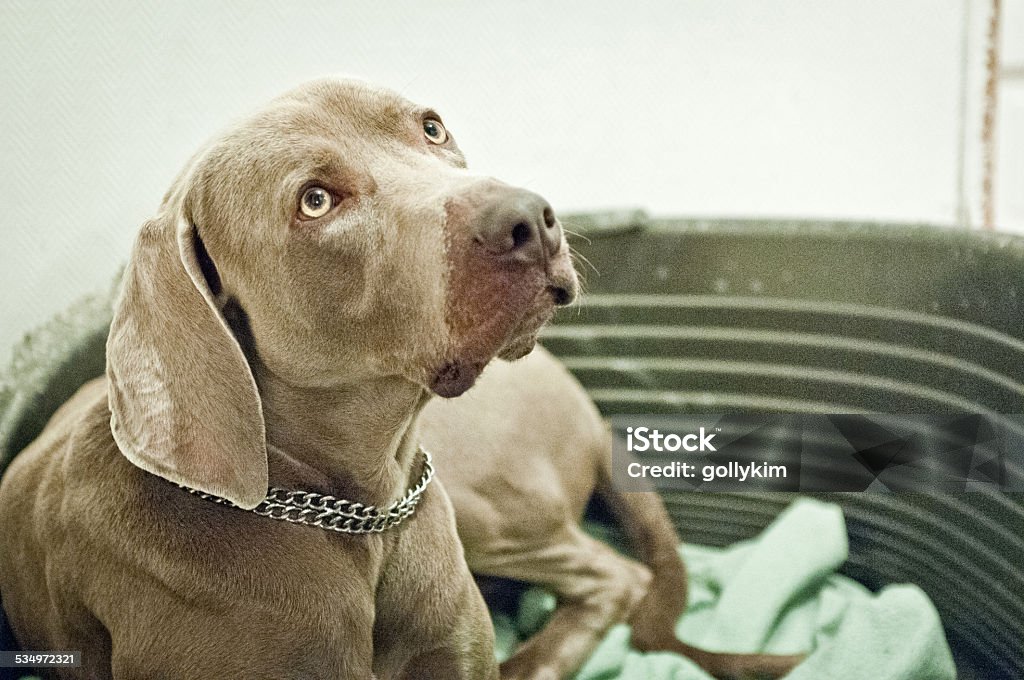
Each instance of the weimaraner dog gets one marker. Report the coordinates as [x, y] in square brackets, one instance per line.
[312, 277]
[521, 454]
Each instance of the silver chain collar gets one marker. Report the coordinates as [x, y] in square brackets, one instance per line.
[335, 514]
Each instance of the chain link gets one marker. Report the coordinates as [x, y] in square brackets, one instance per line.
[335, 514]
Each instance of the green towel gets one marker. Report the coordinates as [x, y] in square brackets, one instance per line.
[779, 593]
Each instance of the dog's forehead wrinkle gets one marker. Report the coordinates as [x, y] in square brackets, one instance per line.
[337, 107]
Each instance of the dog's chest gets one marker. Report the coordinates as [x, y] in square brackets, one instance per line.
[391, 595]
[243, 591]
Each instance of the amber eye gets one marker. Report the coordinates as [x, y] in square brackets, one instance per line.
[316, 202]
[434, 131]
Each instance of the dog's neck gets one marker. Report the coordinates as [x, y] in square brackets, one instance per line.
[358, 441]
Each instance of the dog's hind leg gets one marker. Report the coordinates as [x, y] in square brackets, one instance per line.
[595, 586]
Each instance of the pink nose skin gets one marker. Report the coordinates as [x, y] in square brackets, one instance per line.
[518, 225]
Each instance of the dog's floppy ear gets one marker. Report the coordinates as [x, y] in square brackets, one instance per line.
[183, 401]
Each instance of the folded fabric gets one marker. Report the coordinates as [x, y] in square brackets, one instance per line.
[777, 593]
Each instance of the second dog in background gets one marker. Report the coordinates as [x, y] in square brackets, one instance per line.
[521, 454]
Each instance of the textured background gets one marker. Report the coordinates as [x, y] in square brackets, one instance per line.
[805, 108]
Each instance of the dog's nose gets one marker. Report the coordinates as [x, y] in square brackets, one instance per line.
[520, 225]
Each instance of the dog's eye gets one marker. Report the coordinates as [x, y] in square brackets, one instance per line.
[316, 202]
[434, 131]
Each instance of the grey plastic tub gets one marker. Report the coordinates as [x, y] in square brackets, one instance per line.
[755, 317]
[763, 317]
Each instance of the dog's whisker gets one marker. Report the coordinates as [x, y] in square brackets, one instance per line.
[577, 234]
[577, 256]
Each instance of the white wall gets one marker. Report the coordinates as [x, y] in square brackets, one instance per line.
[806, 108]
[1010, 116]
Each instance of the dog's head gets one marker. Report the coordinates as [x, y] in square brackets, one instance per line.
[332, 238]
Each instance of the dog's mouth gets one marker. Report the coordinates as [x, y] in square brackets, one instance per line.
[457, 375]
[506, 323]
[522, 341]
